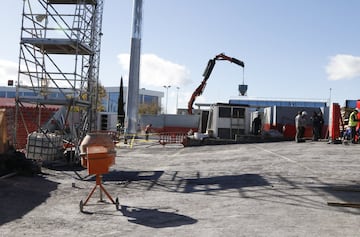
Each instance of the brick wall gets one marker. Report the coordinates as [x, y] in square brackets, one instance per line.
[26, 123]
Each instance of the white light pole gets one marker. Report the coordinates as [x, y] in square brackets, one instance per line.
[177, 98]
[167, 88]
[132, 102]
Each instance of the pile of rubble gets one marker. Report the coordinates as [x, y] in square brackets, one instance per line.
[15, 162]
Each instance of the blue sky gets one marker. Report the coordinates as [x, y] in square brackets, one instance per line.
[291, 49]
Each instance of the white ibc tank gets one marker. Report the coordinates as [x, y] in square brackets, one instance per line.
[46, 147]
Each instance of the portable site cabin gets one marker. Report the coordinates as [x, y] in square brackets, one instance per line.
[226, 121]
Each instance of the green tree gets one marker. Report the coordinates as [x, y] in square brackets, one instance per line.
[101, 93]
[152, 108]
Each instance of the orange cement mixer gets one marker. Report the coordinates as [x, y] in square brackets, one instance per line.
[97, 152]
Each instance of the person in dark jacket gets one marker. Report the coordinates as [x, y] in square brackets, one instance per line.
[256, 125]
[321, 119]
[316, 126]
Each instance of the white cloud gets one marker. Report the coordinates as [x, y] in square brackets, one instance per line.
[8, 71]
[156, 71]
[343, 66]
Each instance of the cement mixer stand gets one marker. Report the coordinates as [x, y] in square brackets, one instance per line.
[97, 153]
[101, 189]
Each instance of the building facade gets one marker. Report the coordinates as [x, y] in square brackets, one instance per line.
[110, 102]
[262, 103]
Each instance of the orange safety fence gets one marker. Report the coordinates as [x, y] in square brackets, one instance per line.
[171, 138]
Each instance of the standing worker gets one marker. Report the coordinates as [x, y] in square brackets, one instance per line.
[353, 121]
[297, 120]
[303, 125]
[316, 126]
[147, 131]
[256, 125]
[300, 123]
[321, 119]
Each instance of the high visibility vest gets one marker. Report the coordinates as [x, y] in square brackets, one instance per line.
[353, 119]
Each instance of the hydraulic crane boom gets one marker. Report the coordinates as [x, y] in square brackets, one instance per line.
[210, 66]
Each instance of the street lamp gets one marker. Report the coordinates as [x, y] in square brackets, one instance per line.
[167, 88]
[177, 98]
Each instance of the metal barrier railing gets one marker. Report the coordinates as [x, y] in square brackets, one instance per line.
[162, 138]
[171, 138]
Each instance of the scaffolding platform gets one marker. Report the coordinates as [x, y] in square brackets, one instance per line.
[90, 2]
[50, 101]
[59, 46]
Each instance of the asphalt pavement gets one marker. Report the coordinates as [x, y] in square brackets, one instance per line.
[260, 189]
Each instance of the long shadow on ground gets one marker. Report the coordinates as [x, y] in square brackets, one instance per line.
[116, 175]
[344, 195]
[225, 182]
[155, 218]
[19, 195]
[177, 182]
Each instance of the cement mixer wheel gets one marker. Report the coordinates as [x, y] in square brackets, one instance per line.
[81, 205]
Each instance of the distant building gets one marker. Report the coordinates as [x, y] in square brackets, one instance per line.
[262, 103]
[110, 102]
[351, 103]
[108, 119]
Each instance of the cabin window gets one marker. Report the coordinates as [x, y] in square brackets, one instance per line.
[238, 113]
[224, 112]
[224, 133]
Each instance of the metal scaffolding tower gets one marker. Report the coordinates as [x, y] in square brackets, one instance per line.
[59, 58]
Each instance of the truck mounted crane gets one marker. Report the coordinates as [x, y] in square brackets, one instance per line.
[210, 66]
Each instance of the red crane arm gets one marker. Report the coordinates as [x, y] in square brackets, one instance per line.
[210, 66]
[233, 60]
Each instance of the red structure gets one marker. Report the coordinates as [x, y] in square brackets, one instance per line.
[358, 117]
[28, 121]
[334, 124]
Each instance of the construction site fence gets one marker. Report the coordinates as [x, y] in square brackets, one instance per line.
[162, 138]
[171, 138]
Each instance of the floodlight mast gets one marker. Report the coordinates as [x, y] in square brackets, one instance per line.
[134, 72]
